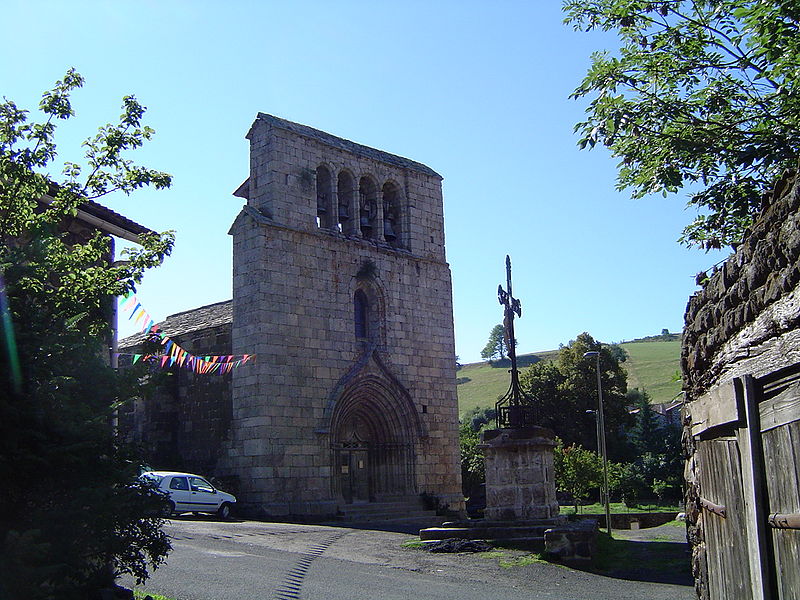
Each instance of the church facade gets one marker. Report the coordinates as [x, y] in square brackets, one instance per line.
[342, 291]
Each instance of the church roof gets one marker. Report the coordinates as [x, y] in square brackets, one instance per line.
[204, 317]
[347, 145]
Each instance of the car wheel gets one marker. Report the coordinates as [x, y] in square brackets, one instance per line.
[168, 509]
[224, 511]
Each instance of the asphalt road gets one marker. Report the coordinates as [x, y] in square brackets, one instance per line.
[278, 561]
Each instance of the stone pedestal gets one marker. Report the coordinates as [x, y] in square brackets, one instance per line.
[520, 478]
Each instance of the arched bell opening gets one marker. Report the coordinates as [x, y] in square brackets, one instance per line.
[325, 216]
[346, 189]
[392, 215]
[368, 207]
[374, 430]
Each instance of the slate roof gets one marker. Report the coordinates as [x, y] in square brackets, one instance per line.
[205, 317]
[102, 212]
[106, 214]
[347, 145]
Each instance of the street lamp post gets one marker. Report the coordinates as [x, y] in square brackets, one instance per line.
[601, 438]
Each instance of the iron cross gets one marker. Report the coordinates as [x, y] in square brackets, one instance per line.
[512, 305]
[510, 409]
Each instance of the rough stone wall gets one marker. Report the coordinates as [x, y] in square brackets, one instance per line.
[738, 307]
[185, 424]
[745, 320]
[294, 285]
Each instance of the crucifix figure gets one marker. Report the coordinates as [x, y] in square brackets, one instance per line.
[514, 414]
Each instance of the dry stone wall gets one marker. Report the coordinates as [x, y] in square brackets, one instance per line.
[749, 300]
[744, 322]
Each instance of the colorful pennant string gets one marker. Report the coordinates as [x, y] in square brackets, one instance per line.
[173, 353]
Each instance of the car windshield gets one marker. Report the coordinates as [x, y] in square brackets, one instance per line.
[151, 477]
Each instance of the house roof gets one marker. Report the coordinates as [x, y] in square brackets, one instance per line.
[114, 218]
[347, 145]
[103, 218]
[196, 319]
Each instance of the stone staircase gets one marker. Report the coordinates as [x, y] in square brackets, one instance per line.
[406, 514]
[528, 533]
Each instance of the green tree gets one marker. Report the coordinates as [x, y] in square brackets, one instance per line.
[646, 434]
[618, 352]
[577, 471]
[702, 94]
[72, 513]
[473, 473]
[497, 346]
[565, 394]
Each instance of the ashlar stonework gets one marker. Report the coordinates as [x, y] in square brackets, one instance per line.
[342, 290]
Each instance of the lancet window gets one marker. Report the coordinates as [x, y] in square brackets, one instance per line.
[361, 315]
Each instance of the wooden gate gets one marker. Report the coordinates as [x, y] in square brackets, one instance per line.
[747, 437]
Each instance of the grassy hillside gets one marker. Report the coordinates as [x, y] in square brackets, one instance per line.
[480, 384]
[654, 367]
[651, 366]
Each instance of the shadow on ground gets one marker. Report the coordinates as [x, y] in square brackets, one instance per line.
[639, 560]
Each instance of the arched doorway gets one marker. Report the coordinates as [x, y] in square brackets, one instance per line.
[374, 430]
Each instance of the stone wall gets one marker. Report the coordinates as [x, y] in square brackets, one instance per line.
[185, 423]
[746, 302]
[744, 322]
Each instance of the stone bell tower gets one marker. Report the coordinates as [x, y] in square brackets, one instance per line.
[341, 289]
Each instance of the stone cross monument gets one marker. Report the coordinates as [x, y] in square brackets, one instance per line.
[518, 455]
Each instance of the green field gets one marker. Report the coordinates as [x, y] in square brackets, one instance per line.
[480, 384]
[655, 368]
[651, 366]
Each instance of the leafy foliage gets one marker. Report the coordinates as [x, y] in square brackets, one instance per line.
[565, 394]
[577, 471]
[702, 94]
[645, 435]
[497, 346]
[72, 514]
[473, 472]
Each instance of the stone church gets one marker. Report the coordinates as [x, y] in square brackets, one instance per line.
[342, 291]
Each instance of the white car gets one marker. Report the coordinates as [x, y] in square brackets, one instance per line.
[191, 493]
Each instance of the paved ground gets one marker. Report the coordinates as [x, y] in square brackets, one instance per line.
[248, 560]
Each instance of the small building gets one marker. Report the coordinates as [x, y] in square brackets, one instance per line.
[89, 218]
[342, 291]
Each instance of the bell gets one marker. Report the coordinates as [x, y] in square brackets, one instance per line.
[321, 205]
[388, 231]
[343, 212]
[365, 224]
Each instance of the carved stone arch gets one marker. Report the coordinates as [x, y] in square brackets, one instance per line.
[374, 431]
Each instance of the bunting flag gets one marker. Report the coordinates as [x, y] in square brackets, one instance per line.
[172, 352]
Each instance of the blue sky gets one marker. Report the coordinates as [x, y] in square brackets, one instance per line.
[477, 91]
